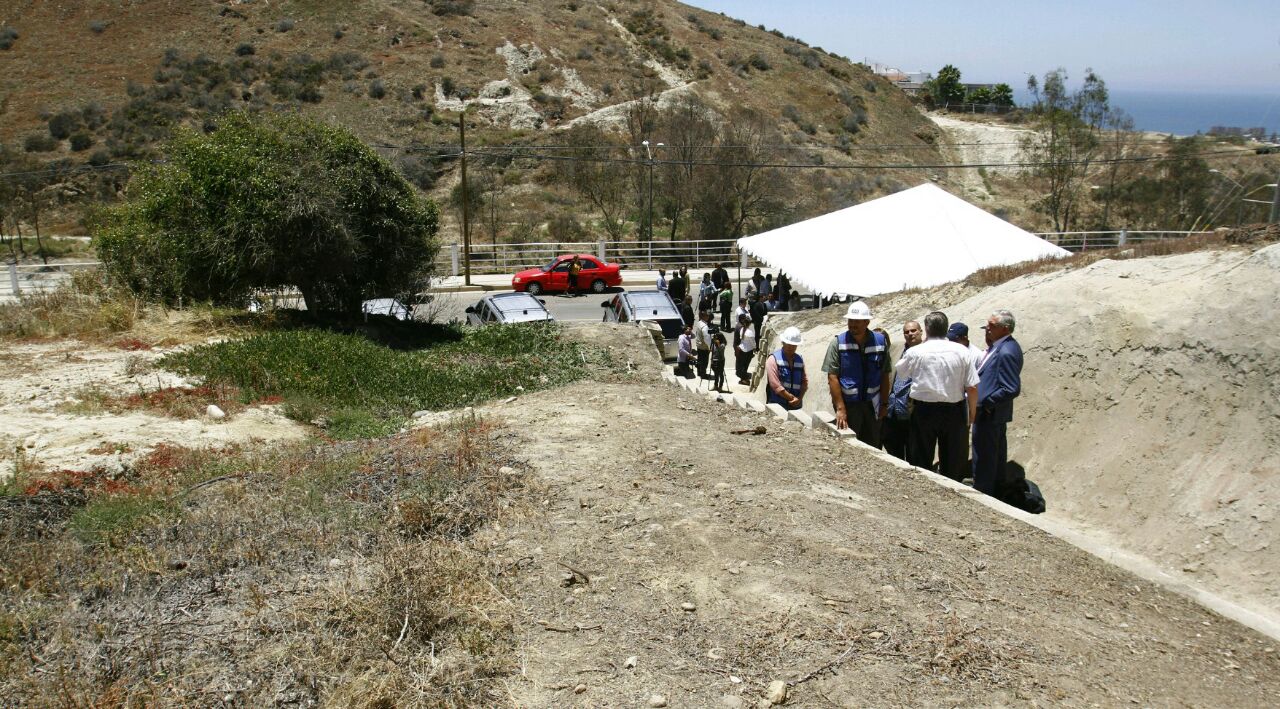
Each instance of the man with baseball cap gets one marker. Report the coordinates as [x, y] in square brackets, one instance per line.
[959, 333]
[785, 371]
[859, 375]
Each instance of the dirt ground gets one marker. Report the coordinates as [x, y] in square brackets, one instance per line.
[680, 563]
[1148, 408]
[47, 383]
[673, 563]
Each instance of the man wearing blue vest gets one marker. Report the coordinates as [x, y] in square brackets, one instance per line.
[859, 375]
[787, 380]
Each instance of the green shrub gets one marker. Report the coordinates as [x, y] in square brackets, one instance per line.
[284, 25]
[437, 61]
[361, 385]
[39, 143]
[8, 36]
[245, 50]
[110, 516]
[81, 141]
[377, 89]
[444, 8]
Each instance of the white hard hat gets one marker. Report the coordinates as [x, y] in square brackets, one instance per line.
[791, 336]
[858, 310]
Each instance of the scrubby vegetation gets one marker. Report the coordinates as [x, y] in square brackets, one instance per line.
[338, 574]
[361, 386]
[324, 213]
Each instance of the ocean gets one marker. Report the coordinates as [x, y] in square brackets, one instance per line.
[1186, 113]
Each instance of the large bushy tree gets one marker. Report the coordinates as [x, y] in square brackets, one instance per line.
[267, 201]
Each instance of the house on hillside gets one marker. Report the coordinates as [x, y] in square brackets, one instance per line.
[909, 81]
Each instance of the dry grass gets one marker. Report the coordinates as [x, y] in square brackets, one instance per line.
[85, 308]
[996, 275]
[250, 576]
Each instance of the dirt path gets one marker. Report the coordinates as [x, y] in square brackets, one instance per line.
[977, 143]
[810, 562]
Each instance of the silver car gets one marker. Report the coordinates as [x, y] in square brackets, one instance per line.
[651, 309]
[507, 308]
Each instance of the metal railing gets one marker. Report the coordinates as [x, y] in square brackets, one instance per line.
[26, 279]
[649, 255]
[1086, 240]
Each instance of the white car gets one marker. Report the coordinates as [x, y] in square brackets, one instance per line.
[508, 308]
[651, 309]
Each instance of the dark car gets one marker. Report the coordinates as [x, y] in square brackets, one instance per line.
[596, 276]
[651, 309]
[507, 308]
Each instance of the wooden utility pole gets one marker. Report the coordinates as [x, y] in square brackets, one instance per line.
[466, 203]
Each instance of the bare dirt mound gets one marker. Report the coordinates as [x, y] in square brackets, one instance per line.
[1149, 411]
[48, 417]
[678, 564]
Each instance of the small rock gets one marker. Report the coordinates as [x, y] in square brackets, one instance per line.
[519, 388]
[688, 607]
[214, 412]
[631, 662]
[335, 563]
[735, 679]
[875, 635]
[506, 470]
[580, 689]
[420, 414]
[511, 400]
[731, 701]
[715, 653]
[1090, 616]
[657, 700]
[777, 692]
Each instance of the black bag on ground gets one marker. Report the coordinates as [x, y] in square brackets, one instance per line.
[1025, 495]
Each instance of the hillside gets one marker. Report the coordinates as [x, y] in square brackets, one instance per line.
[1148, 405]
[103, 82]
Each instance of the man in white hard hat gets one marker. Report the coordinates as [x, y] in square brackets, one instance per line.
[859, 376]
[785, 371]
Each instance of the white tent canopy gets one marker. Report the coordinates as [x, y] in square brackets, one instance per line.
[917, 238]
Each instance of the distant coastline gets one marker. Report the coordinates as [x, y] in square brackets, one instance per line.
[1189, 112]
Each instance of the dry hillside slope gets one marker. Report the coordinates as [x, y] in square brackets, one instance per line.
[1150, 404]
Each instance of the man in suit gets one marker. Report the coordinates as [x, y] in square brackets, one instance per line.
[999, 383]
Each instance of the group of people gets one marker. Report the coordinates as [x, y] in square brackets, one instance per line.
[703, 344]
[942, 395]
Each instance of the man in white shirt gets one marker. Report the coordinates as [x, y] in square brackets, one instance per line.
[944, 399]
[684, 352]
[661, 283]
[744, 347]
[702, 341]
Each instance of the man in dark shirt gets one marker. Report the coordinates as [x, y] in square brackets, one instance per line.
[758, 311]
[719, 276]
[686, 310]
[678, 286]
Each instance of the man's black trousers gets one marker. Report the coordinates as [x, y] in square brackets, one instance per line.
[941, 426]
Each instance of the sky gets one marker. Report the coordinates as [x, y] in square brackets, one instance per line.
[1176, 45]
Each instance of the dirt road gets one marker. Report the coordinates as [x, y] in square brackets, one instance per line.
[706, 566]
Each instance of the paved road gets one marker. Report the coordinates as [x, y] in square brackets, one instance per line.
[449, 306]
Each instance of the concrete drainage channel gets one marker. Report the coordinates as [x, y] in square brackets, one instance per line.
[1134, 564]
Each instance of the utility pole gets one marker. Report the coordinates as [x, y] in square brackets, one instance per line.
[1275, 202]
[466, 202]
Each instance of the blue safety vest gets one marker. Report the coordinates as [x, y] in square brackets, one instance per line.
[791, 377]
[860, 367]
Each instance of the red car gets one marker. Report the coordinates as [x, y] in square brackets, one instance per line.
[596, 276]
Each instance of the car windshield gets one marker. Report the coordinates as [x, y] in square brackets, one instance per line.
[550, 264]
[652, 305]
[518, 307]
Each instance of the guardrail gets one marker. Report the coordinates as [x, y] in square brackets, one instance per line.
[25, 279]
[1085, 240]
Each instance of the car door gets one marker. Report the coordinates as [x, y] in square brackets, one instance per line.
[558, 278]
[590, 272]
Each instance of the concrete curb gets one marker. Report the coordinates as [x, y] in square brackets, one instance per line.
[1132, 563]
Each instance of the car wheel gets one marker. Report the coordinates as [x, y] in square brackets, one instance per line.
[534, 289]
[597, 286]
